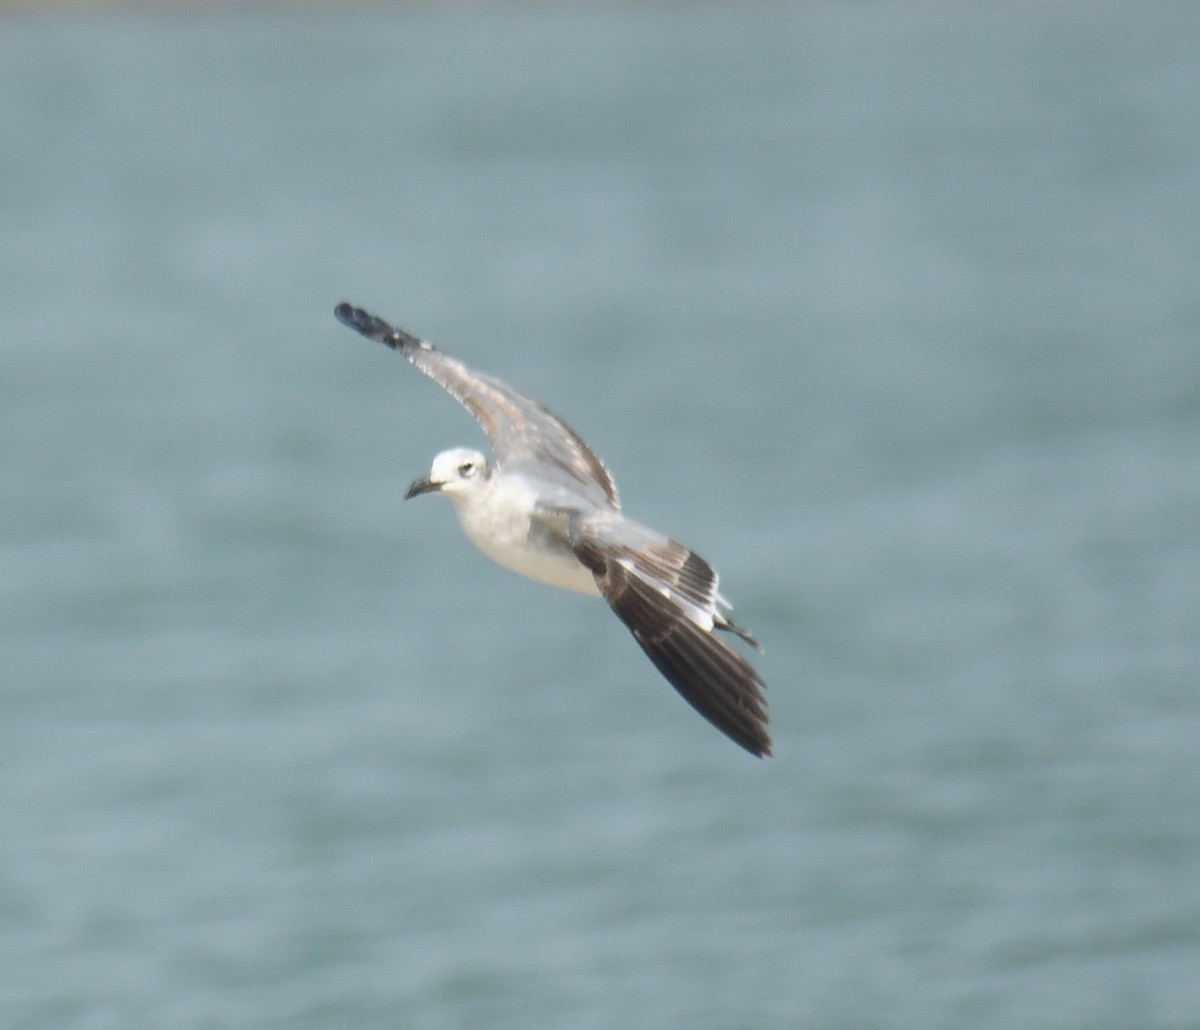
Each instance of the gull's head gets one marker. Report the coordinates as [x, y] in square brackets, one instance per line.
[457, 473]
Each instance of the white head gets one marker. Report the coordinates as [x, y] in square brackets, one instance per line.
[457, 473]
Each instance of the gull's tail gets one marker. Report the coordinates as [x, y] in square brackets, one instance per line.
[727, 624]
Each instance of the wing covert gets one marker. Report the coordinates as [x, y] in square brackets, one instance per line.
[522, 431]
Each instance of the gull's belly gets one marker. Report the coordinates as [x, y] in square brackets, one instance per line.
[537, 555]
[556, 569]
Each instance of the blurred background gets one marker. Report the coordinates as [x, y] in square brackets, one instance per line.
[890, 310]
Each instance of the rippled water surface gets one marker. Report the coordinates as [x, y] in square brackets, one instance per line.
[889, 310]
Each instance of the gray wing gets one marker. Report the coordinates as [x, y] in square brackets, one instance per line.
[523, 433]
[667, 595]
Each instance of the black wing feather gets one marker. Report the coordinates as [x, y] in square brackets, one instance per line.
[710, 675]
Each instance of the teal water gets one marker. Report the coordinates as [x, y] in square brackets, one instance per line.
[889, 310]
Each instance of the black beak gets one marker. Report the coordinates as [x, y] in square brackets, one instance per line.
[424, 485]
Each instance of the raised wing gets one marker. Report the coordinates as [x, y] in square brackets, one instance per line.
[523, 433]
[667, 596]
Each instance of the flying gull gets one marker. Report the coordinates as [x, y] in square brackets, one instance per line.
[546, 507]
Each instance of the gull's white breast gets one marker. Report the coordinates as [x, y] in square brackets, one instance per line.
[498, 522]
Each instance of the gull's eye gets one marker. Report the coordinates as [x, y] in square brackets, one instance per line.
[466, 469]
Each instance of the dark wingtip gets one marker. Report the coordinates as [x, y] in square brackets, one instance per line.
[756, 739]
[372, 326]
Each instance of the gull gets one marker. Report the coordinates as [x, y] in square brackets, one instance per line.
[547, 508]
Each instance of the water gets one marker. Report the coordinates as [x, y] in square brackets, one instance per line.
[889, 310]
